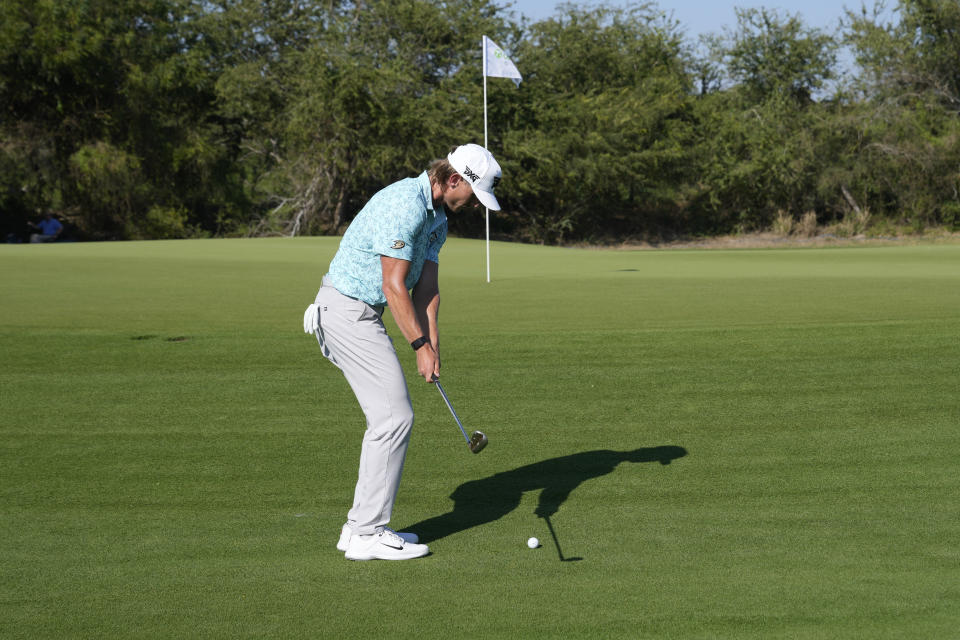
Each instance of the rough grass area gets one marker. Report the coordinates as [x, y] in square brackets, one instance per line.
[780, 238]
[727, 444]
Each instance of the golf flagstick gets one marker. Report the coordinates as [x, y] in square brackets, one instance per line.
[500, 66]
[483, 45]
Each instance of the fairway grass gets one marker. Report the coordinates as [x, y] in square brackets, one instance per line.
[730, 444]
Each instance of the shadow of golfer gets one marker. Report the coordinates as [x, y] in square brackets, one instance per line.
[481, 501]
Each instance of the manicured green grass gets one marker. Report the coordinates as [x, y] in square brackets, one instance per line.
[176, 459]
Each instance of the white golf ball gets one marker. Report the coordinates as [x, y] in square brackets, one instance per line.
[533, 543]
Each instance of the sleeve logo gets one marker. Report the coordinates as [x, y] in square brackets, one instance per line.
[398, 244]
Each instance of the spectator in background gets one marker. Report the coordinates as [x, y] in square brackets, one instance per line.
[49, 229]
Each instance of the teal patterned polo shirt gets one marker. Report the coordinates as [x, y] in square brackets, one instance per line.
[398, 222]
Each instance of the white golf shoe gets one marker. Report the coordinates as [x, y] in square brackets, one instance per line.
[386, 545]
[346, 533]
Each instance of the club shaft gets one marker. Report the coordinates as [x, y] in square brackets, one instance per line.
[450, 406]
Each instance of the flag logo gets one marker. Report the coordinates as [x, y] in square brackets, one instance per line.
[497, 64]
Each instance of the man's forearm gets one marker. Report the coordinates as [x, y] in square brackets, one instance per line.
[404, 314]
[426, 301]
[427, 308]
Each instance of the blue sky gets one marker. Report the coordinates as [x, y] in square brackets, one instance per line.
[706, 16]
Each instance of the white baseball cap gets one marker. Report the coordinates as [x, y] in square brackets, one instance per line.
[477, 166]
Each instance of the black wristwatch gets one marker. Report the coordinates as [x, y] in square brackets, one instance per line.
[419, 342]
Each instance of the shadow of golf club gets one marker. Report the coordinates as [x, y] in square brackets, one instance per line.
[481, 501]
[556, 542]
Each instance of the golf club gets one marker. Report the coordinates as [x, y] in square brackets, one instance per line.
[557, 542]
[477, 441]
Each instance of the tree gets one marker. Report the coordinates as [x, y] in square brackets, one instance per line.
[598, 146]
[771, 54]
[916, 55]
[116, 93]
[759, 154]
[911, 110]
[367, 96]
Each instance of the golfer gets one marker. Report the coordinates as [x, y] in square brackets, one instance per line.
[389, 256]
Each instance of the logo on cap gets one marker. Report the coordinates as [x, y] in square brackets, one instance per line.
[468, 173]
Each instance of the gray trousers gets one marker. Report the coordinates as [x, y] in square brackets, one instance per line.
[353, 338]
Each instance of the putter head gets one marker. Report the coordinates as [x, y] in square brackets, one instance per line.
[477, 441]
